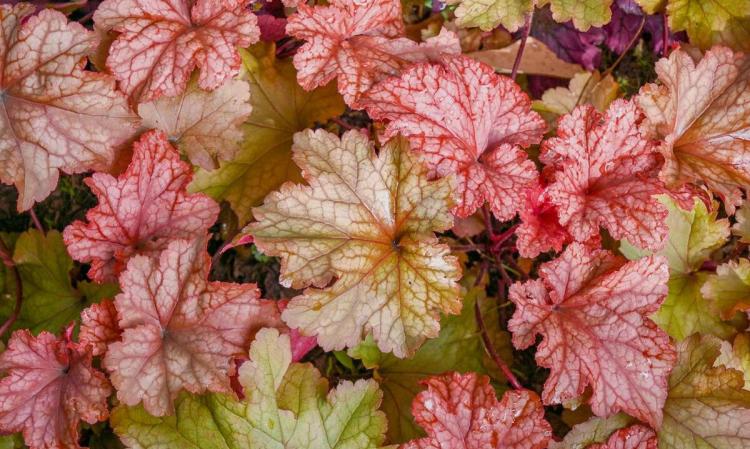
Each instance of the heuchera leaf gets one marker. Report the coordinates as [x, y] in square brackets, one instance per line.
[464, 119]
[366, 44]
[706, 407]
[693, 236]
[488, 14]
[584, 88]
[592, 311]
[49, 387]
[458, 348]
[366, 220]
[280, 108]
[605, 175]
[140, 211]
[569, 43]
[737, 356]
[688, 111]
[715, 22]
[203, 125]
[461, 411]
[729, 289]
[634, 437]
[287, 405]
[50, 302]
[161, 42]
[99, 326]
[742, 227]
[540, 229]
[56, 115]
[594, 430]
[180, 331]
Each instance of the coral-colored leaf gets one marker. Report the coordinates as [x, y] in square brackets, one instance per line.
[203, 125]
[592, 310]
[99, 326]
[701, 112]
[366, 220]
[161, 42]
[634, 437]
[464, 119]
[140, 211]
[606, 176]
[461, 411]
[50, 386]
[280, 108]
[540, 229]
[180, 331]
[55, 115]
[729, 289]
[359, 43]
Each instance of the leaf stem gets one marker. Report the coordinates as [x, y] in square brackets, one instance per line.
[522, 45]
[7, 259]
[35, 220]
[632, 42]
[491, 349]
[665, 36]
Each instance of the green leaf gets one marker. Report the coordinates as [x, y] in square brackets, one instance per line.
[288, 405]
[737, 356]
[595, 430]
[458, 348]
[280, 108]
[50, 302]
[706, 407]
[488, 14]
[710, 22]
[693, 236]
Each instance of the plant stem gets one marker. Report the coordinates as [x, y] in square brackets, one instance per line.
[491, 349]
[665, 36]
[522, 45]
[7, 259]
[35, 220]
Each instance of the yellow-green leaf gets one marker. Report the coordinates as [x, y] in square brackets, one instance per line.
[280, 108]
[711, 22]
[488, 14]
[706, 407]
[287, 405]
[693, 236]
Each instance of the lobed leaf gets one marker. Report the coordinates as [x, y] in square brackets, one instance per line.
[605, 175]
[161, 42]
[140, 211]
[368, 221]
[461, 410]
[700, 112]
[287, 405]
[49, 387]
[592, 311]
[464, 120]
[179, 330]
[706, 406]
[56, 116]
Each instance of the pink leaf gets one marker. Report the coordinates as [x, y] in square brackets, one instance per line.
[461, 411]
[592, 310]
[180, 331]
[54, 114]
[607, 176]
[50, 386]
[468, 121]
[99, 326]
[163, 41]
[540, 228]
[634, 437]
[140, 211]
[358, 42]
[300, 344]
